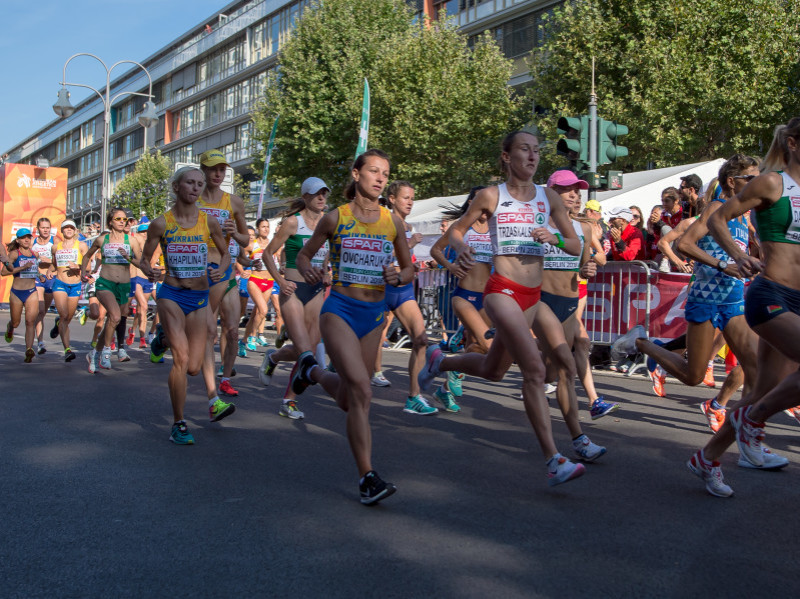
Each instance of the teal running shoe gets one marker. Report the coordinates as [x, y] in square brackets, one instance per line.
[419, 405]
[180, 434]
[454, 380]
[242, 351]
[446, 399]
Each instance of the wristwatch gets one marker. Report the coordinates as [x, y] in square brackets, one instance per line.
[722, 265]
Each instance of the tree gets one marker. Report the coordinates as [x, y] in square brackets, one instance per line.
[438, 108]
[146, 187]
[692, 79]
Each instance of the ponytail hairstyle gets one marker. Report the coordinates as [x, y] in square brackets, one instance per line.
[295, 205]
[358, 163]
[454, 212]
[13, 245]
[734, 166]
[505, 146]
[777, 157]
[393, 190]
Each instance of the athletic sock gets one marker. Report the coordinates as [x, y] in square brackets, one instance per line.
[212, 401]
[715, 405]
[121, 328]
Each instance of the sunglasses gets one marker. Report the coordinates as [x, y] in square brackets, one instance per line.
[119, 219]
[745, 178]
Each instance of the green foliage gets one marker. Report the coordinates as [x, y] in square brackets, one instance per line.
[146, 187]
[692, 79]
[438, 108]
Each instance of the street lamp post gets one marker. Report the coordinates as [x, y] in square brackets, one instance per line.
[63, 108]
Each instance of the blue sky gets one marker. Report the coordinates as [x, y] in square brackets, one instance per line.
[38, 37]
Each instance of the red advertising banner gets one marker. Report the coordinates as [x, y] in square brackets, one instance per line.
[618, 301]
[28, 193]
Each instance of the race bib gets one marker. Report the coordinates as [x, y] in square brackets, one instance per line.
[793, 232]
[187, 260]
[31, 267]
[361, 260]
[111, 253]
[66, 257]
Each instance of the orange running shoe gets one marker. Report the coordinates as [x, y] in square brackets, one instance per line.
[709, 381]
[658, 382]
[716, 418]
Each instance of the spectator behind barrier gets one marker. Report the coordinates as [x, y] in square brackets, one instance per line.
[599, 226]
[691, 203]
[627, 242]
[673, 211]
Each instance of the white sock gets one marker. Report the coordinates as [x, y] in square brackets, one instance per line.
[320, 353]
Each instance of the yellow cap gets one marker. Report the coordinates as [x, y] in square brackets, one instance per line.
[213, 158]
[593, 205]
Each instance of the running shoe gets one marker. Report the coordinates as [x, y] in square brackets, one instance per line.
[447, 400]
[793, 413]
[150, 337]
[658, 378]
[711, 474]
[289, 410]
[40, 348]
[550, 388]
[242, 351]
[251, 344]
[454, 380]
[378, 380]
[219, 410]
[561, 470]
[69, 355]
[105, 359]
[420, 406]
[626, 344]
[600, 407]
[54, 330]
[29, 353]
[226, 388]
[748, 436]
[267, 368]
[91, 357]
[81, 314]
[709, 380]
[142, 343]
[9, 337]
[262, 341]
[282, 338]
[586, 450]
[651, 362]
[158, 346]
[624, 365]
[131, 336]
[456, 340]
[123, 355]
[373, 489]
[772, 461]
[300, 380]
[716, 418]
[180, 434]
[429, 372]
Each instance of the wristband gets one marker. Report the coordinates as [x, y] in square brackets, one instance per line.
[560, 243]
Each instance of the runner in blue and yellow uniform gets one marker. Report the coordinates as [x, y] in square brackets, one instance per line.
[184, 233]
[24, 265]
[118, 250]
[67, 258]
[772, 305]
[228, 209]
[362, 237]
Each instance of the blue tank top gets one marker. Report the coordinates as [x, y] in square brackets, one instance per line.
[31, 264]
[711, 286]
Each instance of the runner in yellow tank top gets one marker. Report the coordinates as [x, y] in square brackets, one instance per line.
[67, 287]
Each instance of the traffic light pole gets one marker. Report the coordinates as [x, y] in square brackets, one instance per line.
[592, 136]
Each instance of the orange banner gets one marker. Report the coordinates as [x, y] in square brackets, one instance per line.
[28, 193]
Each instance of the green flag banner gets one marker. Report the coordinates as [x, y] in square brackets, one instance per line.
[364, 132]
[266, 166]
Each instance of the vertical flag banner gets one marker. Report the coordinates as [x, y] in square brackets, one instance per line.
[364, 132]
[28, 193]
[267, 160]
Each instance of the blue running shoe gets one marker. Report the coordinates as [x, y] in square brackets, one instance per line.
[651, 363]
[456, 340]
[429, 372]
[180, 434]
[600, 408]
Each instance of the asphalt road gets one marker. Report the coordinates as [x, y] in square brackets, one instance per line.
[98, 503]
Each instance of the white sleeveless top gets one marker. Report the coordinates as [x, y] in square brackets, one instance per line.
[556, 258]
[513, 221]
[481, 243]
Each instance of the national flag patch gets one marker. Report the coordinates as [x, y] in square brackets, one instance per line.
[773, 309]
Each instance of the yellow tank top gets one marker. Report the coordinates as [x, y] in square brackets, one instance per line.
[359, 251]
[65, 257]
[222, 211]
[185, 251]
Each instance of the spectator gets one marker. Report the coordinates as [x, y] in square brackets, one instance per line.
[599, 226]
[626, 240]
[638, 220]
[143, 217]
[689, 189]
[656, 229]
[673, 211]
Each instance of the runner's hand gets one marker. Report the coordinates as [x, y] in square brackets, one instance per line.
[313, 275]
[543, 235]
[465, 259]
[216, 274]
[229, 227]
[391, 276]
[588, 270]
[288, 288]
[749, 266]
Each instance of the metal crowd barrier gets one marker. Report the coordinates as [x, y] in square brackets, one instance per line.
[433, 289]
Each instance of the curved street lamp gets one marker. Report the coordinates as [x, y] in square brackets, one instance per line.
[64, 109]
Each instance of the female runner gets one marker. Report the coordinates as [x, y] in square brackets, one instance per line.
[467, 297]
[518, 211]
[118, 250]
[772, 305]
[184, 233]
[300, 302]
[259, 285]
[43, 248]
[363, 237]
[25, 270]
[67, 258]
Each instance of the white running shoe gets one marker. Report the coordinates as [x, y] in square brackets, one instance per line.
[105, 359]
[772, 461]
[378, 380]
[711, 473]
[267, 368]
[123, 355]
[560, 470]
[549, 388]
[91, 357]
[586, 450]
[748, 437]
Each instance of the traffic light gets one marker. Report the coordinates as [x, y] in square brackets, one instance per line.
[608, 150]
[575, 146]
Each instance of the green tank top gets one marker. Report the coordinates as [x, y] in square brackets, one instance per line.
[296, 242]
[780, 222]
[110, 251]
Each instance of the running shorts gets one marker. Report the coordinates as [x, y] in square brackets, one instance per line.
[473, 297]
[363, 317]
[121, 291]
[188, 300]
[71, 289]
[563, 307]
[718, 315]
[767, 299]
[526, 297]
[397, 296]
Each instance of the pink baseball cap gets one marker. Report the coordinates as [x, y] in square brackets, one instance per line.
[565, 178]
